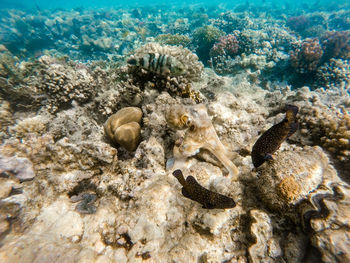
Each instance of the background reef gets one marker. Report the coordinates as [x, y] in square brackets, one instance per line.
[68, 193]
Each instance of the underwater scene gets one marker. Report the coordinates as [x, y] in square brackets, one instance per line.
[174, 132]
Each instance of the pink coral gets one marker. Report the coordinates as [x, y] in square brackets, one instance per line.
[306, 57]
[298, 23]
[227, 45]
[336, 44]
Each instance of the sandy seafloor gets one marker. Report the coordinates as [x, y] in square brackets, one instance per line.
[70, 194]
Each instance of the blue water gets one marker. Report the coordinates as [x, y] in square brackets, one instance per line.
[105, 29]
[69, 4]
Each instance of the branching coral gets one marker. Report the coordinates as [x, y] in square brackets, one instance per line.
[298, 23]
[306, 57]
[173, 40]
[227, 45]
[200, 133]
[334, 73]
[62, 83]
[336, 44]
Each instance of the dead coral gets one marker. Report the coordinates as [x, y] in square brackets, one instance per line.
[290, 177]
[34, 125]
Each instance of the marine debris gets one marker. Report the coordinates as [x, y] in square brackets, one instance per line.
[123, 127]
[270, 141]
[193, 190]
[199, 134]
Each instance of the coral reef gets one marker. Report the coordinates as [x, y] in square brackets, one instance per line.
[173, 40]
[181, 85]
[68, 195]
[306, 56]
[298, 23]
[227, 45]
[123, 127]
[281, 189]
[204, 39]
[336, 44]
[335, 72]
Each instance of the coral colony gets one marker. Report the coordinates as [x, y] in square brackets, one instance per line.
[175, 134]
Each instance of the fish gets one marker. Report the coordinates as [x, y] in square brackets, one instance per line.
[158, 63]
[208, 199]
[271, 140]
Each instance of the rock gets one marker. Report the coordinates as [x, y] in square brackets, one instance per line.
[19, 167]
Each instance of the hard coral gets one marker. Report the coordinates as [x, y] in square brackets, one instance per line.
[30, 125]
[191, 71]
[336, 44]
[306, 56]
[123, 127]
[335, 72]
[173, 40]
[62, 83]
[298, 23]
[227, 45]
[200, 133]
[204, 38]
[331, 128]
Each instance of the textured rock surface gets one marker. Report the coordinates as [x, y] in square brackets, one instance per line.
[138, 212]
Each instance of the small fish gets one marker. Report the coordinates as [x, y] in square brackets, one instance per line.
[270, 141]
[193, 190]
[158, 63]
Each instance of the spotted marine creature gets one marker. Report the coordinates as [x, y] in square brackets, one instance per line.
[157, 63]
[208, 199]
[270, 141]
[200, 133]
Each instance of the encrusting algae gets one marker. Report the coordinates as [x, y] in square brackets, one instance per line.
[193, 190]
[200, 133]
[270, 141]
